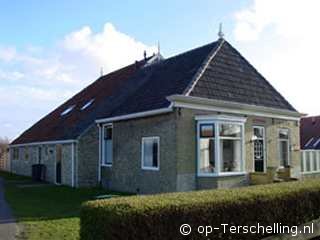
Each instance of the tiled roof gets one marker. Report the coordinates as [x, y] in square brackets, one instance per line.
[310, 133]
[230, 77]
[137, 88]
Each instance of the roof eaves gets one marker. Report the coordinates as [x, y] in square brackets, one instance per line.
[202, 69]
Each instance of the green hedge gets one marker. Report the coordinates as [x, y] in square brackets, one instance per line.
[160, 216]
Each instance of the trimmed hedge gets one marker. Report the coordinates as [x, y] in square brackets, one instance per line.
[160, 216]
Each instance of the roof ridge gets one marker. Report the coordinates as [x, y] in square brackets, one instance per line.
[203, 67]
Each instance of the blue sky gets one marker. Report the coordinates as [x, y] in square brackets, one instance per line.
[49, 50]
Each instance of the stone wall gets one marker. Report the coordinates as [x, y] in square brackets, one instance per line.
[29, 155]
[126, 173]
[88, 158]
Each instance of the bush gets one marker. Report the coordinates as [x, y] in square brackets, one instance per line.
[160, 216]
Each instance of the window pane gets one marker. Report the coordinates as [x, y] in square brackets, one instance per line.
[150, 152]
[230, 130]
[314, 158]
[301, 161]
[284, 154]
[206, 130]
[230, 155]
[207, 156]
[283, 134]
[258, 132]
[108, 145]
[308, 162]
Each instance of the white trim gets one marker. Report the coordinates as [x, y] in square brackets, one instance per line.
[203, 68]
[232, 107]
[220, 118]
[311, 153]
[142, 155]
[217, 138]
[103, 164]
[72, 164]
[100, 156]
[43, 143]
[135, 115]
[264, 148]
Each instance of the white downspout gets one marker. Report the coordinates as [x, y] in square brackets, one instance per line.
[99, 162]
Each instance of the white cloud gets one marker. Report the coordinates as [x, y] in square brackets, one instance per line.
[282, 39]
[36, 79]
[110, 48]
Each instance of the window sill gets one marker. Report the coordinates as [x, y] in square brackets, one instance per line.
[150, 169]
[226, 174]
[106, 165]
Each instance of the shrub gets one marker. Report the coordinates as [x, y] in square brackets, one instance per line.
[160, 216]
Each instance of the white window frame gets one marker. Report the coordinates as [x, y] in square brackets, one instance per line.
[103, 163]
[312, 153]
[157, 138]
[284, 140]
[217, 120]
[264, 148]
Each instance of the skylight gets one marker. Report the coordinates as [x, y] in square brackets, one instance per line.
[316, 143]
[308, 143]
[87, 104]
[69, 109]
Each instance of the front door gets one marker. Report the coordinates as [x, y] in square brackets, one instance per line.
[58, 164]
[259, 149]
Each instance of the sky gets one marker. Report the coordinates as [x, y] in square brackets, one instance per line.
[50, 50]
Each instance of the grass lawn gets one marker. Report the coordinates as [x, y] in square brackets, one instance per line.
[46, 212]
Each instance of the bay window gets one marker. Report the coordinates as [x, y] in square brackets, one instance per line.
[220, 147]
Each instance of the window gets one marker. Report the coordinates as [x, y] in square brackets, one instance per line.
[207, 154]
[69, 109]
[259, 148]
[309, 142]
[310, 161]
[107, 146]
[26, 153]
[284, 147]
[150, 153]
[15, 153]
[86, 105]
[230, 147]
[220, 148]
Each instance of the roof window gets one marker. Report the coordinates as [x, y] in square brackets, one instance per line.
[69, 109]
[309, 142]
[87, 104]
[316, 143]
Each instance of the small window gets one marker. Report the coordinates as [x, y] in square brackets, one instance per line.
[107, 146]
[86, 105]
[150, 153]
[69, 109]
[26, 153]
[16, 154]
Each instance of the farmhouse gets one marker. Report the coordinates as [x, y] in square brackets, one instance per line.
[205, 118]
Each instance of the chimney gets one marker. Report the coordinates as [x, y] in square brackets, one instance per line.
[145, 55]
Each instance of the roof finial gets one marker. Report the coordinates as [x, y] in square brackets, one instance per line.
[220, 33]
[158, 50]
[101, 71]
